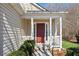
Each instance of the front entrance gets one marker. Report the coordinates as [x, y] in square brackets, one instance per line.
[40, 32]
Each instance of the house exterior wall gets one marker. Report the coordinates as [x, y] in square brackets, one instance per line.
[10, 29]
[13, 29]
[1, 36]
[26, 25]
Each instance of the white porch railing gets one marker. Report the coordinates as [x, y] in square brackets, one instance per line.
[55, 41]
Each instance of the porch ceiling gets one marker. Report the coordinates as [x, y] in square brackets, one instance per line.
[43, 15]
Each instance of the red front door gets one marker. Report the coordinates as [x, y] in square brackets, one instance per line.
[40, 32]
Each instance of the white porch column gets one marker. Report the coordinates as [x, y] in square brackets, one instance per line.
[32, 28]
[55, 28]
[51, 40]
[60, 32]
[55, 35]
[50, 26]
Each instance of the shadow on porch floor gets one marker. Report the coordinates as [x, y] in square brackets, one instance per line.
[41, 52]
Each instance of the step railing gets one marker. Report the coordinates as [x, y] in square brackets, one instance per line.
[55, 41]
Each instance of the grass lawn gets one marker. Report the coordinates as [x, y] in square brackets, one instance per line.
[67, 44]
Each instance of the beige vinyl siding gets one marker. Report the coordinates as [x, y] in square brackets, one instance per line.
[1, 36]
[35, 8]
[11, 28]
[26, 25]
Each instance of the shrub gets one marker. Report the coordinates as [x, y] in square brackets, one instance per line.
[17, 53]
[72, 52]
[28, 46]
[26, 49]
[77, 36]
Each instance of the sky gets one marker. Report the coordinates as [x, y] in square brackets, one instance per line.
[43, 4]
[59, 6]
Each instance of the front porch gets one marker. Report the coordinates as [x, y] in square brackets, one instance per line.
[52, 31]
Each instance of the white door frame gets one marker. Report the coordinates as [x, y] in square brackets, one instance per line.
[45, 31]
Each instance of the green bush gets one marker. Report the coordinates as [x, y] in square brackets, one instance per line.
[28, 46]
[17, 53]
[72, 52]
[26, 49]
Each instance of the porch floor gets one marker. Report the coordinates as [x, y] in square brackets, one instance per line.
[41, 52]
